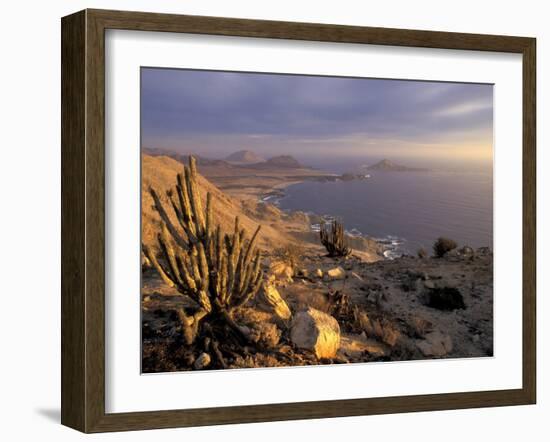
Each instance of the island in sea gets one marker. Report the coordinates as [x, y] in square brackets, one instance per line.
[386, 165]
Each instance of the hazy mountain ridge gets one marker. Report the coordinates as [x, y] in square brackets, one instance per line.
[238, 159]
[183, 157]
[244, 157]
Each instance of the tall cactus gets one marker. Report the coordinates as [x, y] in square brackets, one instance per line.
[220, 272]
[334, 239]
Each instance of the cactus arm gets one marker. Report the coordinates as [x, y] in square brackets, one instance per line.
[164, 216]
[223, 280]
[251, 245]
[183, 197]
[204, 301]
[169, 255]
[185, 273]
[209, 216]
[194, 197]
[203, 267]
[218, 247]
[161, 271]
[252, 279]
[176, 209]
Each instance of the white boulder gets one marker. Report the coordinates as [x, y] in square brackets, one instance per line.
[436, 344]
[272, 299]
[336, 273]
[316, 331]
[202, 361]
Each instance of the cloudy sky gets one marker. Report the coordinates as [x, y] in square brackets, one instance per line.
[215, 113]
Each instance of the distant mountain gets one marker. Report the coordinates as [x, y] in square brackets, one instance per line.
[240, 159]
[389, 166]
[285, 161]
[183, 157]
[244, 157]
[279, 162]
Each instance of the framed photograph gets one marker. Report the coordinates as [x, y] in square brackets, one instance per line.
[266, 221]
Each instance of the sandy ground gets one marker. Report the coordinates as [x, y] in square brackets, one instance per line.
[246, 183]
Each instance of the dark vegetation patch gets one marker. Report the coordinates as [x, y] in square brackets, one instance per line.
[445, 298]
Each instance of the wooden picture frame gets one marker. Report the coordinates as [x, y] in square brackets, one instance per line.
[83, 217]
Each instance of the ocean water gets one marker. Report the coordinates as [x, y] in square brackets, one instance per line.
[406, 210]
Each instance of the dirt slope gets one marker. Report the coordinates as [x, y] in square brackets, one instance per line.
[160, 173]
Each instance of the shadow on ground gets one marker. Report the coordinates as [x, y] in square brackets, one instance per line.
[51, 414]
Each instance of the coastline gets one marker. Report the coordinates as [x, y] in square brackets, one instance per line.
[387, 248]
[269, 188]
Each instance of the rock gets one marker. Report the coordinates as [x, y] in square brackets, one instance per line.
[336, 273]
[421, 326]
[266, 334]
[452, 254]
[299, 217]
[435, 344]
[390, 334]
[202, 361]
[383, 330]
[268, 212]
[354, 347]
[271, 298]
[281, 270]
[376, 349]
[445, 298]
[429, 284]
[377, 329]
[484, 251]
[467, 251]
[319, 273]
[363, 321]
[411, 284]
[316, 331]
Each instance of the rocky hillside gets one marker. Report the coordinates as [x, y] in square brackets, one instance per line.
[330, 310]
[160, 172]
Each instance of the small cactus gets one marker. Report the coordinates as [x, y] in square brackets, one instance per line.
[334, 239]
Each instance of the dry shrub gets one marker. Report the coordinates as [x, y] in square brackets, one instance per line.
[290, 254]
[443, 246]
